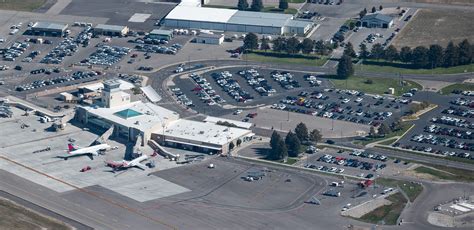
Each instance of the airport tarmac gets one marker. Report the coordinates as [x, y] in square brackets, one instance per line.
[22, 155]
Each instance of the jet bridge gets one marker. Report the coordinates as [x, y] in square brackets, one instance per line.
[105, 136]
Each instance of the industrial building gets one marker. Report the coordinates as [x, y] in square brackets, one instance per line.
[215, 39]
[111, 30]
[190, 17]
[376, 21]
[48, 29]
[161, 34]
[145, 120]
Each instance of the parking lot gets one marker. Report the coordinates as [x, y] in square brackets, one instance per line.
[355, 163]
[448, 132]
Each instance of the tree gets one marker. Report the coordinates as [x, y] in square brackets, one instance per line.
[320, 48]
[251, 41]
[279, 44]
[293, 144]
[374, 9]
[257, 5]
[405, 54]
[465, 52]
[391, 53]
[301, 131]
[435, 56]
[239, 142]
[364, 52]
[377, 51]
[362, 13]
[283, 4]
[242, 5]
[344, 67]
[264, 44]
[383, 129]
[315, 136]
[372, 132]
[451, 54]
[420, 57]
[231, 146]
[380, 7]
[292, 45]
[278, 148]
[307, 46]
[349, 50]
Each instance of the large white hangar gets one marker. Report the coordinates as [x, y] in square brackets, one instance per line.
[190, 17]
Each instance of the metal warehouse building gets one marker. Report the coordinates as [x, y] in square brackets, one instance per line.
[48, 29]
[234, 20]
[111, 30]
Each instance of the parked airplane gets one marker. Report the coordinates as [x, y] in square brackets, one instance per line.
[122, 165]
[91, 151]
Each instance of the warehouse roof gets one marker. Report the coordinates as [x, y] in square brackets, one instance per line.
[205, 35]
[162, 32]
[201, 14]
[298, 23]
[259, 19]
[49, 26]
[381, 17]
[110, 27]
[139, 115]
[204, 132]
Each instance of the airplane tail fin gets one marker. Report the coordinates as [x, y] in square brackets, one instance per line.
[71, 147]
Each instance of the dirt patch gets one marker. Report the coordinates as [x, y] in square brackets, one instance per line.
[436, 26]
[13, 216]
[457, 2]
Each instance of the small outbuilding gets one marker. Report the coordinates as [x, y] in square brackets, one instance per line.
[376, 21]
[214, 39]
[161, 34]
[48, 29]
[111, 30]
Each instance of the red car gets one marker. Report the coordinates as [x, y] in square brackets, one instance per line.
[85, 169]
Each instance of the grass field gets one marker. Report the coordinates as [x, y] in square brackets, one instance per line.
[447, 173]
[13, 216]
[290, 161]
[461, 86]
[400, 132]
[296, 1]
[378, 86]
[436, 26]
[387, 214]
[21, 5]
[270, 56]
[459, 159]
[388, 67]
[411, 189]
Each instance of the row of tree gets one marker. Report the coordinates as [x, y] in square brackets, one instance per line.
[420, 57]
[290, 45]
[291, 145]
[257, 5]
[363, 12]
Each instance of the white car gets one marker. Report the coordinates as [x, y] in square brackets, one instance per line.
[359, 99]
[407, 95]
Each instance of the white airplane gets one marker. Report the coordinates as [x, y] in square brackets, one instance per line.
[91, 151]
[122, 165]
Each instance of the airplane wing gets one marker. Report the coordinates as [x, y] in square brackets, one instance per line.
[141, 166]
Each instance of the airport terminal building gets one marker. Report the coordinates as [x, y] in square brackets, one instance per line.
[145, 120]
[190, 17]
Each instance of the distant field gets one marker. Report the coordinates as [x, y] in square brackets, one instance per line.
[436, 26]
[461, 2]
[13, 216]
[21, 5]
